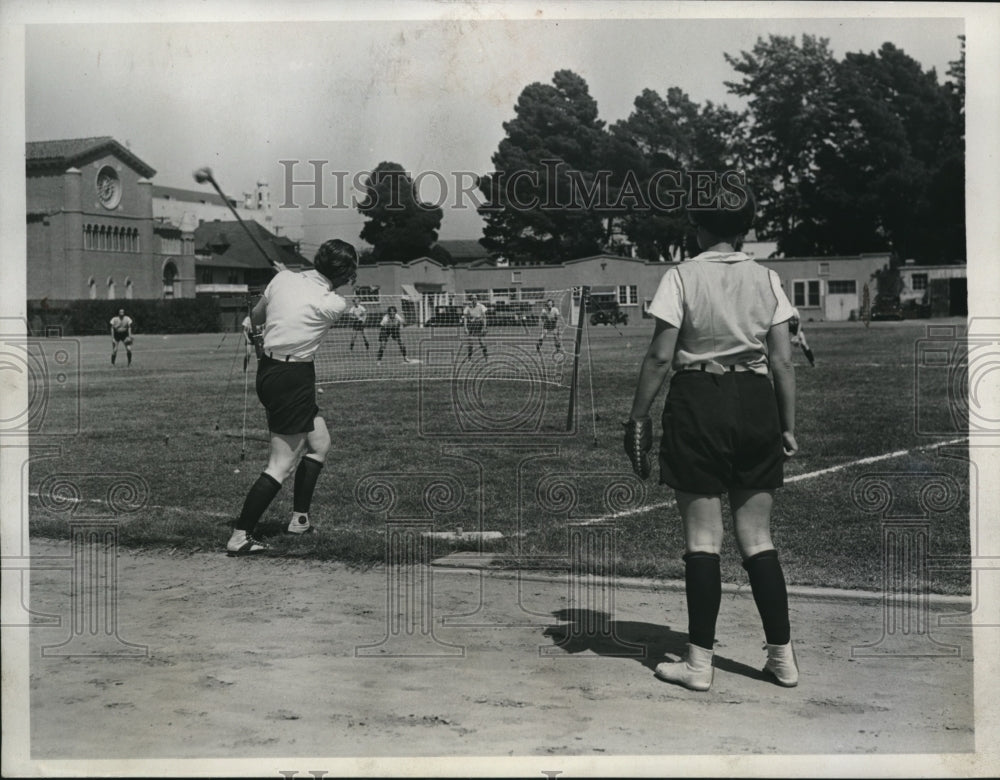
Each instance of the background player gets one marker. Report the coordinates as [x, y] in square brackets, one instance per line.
[254, 341]
[474, 320]
[721, 322]
[359, 317]
[296, 311]
[798, 334]
[550, 322]
[389, 328]
[121, 330]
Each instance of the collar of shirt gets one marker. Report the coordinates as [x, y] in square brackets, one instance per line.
[722, 257]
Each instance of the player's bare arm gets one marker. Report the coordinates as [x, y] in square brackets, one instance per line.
[258, 316]
[655, 368]
[783, 371]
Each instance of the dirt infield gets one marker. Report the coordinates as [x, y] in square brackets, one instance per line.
[260, 658]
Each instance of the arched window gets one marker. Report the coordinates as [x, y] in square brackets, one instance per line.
[116, 240]
[128, 289]
[135, 240]
[92, 288]
[102, 239]
[86, 236]
[169, 277]
[111, 289]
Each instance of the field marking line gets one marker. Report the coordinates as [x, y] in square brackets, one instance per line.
[796, 478]
[182, 510]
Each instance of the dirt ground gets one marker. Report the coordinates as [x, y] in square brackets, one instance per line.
[264, 658]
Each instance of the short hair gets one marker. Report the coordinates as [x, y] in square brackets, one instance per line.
[391, 310]
[337, 261]
[726, 212]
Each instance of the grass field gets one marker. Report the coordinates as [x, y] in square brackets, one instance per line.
[499, 452]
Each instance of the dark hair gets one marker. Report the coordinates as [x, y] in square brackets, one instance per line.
[337, 261]
[726, 211]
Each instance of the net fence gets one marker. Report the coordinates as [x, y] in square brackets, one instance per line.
[398, 337]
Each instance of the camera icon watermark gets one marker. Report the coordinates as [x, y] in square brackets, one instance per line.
[964, 371]
[47, 370]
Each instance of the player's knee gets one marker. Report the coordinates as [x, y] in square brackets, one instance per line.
[318, 441]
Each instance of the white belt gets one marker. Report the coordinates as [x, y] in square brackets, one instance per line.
[287, 358]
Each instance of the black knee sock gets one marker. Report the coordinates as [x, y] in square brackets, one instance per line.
[769, 593]
[305, 483]
[403, 350]
[703, 585]
[262, 492]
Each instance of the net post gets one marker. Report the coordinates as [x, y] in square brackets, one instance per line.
[582, 323]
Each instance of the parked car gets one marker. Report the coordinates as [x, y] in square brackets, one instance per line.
[515, 314]
[604, 310]
[445, 317]
[887, 307]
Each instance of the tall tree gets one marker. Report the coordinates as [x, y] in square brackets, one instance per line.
[537, 206]
[399, 226]
[789, 90]
[668, 134]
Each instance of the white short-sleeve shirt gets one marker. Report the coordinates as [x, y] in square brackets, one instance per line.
[392, 321]
[300, 309]
[359, 312]
[121, 323]
[474, 313]
[723, 304]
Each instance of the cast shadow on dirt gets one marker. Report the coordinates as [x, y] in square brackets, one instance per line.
[647, 643]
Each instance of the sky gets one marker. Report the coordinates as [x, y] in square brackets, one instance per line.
[430, 95]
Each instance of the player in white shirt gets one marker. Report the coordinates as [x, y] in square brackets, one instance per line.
[296, 311]
[121, 330]
[254, 339]
[359, 317]
[550, 324]
[798, 334]
[721, 327]
[389, 328]
[474, 321]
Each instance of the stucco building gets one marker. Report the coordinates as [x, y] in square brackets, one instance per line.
[91, 232]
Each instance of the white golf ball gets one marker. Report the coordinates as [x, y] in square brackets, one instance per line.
[236, 471]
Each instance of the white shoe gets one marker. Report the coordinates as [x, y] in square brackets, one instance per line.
[781, 664]
[300, 525]
[243, 543]
[695, 671]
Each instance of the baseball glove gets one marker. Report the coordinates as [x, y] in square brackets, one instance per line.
[128, 341]
[638, 443]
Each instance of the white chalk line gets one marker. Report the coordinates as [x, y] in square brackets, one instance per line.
[613, 516]
[796, 478]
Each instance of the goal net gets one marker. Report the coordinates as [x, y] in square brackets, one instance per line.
[521, 342]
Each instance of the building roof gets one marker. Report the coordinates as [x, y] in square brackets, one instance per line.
[67, 151]
[462, 250]
[189, 196]
[226, 244]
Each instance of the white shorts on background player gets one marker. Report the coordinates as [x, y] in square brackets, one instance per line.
[300, 309]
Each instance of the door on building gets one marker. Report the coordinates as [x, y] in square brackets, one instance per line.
[841, 300]
[958, 296]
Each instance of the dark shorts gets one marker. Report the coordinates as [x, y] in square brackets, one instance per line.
[288, 393]
[721, 432]
[549, 325]
[476, 328]
[384, 334]
[358, 325]
[121, 335]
